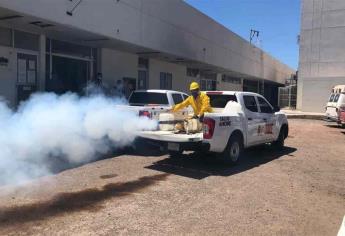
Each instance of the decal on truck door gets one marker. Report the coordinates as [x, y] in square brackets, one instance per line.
[265, 129]
[224, 121]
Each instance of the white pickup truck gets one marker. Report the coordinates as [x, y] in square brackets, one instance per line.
[152, 102]
[239, 120]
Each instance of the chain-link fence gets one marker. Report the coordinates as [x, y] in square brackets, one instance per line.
[287, 97]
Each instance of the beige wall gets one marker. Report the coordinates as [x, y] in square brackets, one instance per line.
[179, 78]
[116, 65]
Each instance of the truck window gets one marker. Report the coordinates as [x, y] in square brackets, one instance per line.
[331, 97]
[145, 98]
[336, 97]
[220, 101]
[184, 96]
[250, 103]
[177, 98]
[264, 106]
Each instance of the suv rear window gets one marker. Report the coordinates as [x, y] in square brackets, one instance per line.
[336, 97]
[220, 101]
[145, 98]
[331, 97]
[177, 98]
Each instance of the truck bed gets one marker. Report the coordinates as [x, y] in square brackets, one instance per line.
[170, 136]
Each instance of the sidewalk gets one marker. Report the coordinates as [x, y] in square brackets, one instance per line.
[296, 114]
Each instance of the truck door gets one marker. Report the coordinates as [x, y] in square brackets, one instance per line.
[268, 128]
[254, 120]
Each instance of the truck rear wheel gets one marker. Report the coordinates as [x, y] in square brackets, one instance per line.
[233, 150]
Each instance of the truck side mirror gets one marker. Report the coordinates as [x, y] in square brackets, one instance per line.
[276, 109]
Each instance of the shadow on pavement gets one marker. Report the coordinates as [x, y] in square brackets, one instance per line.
[335, 126]
[193, 166]
[64, 203]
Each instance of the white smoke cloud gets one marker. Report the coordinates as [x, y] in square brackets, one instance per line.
[50, 126]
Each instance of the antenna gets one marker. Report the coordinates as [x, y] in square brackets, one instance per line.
[254, 33]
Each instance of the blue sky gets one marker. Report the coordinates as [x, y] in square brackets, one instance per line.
[277, 20]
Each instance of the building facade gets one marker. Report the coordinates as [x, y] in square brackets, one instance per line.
[322, 52]
[61, 45]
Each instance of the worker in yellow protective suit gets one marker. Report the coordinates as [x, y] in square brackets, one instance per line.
[199, 101]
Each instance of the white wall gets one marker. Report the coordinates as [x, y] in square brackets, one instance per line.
[8, 75]
[322, 52]
[116, 65]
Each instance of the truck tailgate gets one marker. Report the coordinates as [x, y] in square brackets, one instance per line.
[169, 136]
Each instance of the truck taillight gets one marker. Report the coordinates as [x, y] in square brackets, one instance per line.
[145, 113]
[208, 128]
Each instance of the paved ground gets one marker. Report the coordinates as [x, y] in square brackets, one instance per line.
[298, 191]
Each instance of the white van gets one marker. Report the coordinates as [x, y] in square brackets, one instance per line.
[335, 102]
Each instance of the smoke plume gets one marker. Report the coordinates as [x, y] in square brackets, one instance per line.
[50, 126]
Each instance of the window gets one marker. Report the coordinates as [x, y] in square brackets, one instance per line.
[143, 63]
[228, 79]
[331, 97]
[265, 107]
[336, 97]
[142, 79]
[191, 72]
[185, 96]
[220, 101]
[5, 37]
[165, 80]
[250, 103]
[177, 98]
[145, 98]
[25, 40]
[70, 49]
[208, 85]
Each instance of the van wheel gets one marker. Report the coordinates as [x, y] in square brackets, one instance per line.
[233, 150]
[279, 143]
[175, 154]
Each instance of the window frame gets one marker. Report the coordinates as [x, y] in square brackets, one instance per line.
[256, 102]
[269, 105]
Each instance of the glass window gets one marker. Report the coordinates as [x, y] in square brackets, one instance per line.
[331, 97]
[146, 98]
[336, 97]
[177, 98]
[70, 49]
[5, 37]
[208, 85]
[143, 63]
[165, 80]
[26, 41]
[220, 101]
[142, 79]
[264, 106]
[185, 96]
[250, 103]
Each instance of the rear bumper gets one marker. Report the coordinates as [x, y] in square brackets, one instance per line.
[331, 119]
[183, 146]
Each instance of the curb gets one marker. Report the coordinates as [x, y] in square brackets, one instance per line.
[309, 117]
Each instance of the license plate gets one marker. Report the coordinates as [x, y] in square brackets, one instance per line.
[173, 147]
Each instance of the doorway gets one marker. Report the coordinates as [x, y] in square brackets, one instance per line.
[26, 76]
[68, 75]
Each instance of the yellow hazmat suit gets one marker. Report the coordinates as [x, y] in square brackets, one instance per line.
[200, 105]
